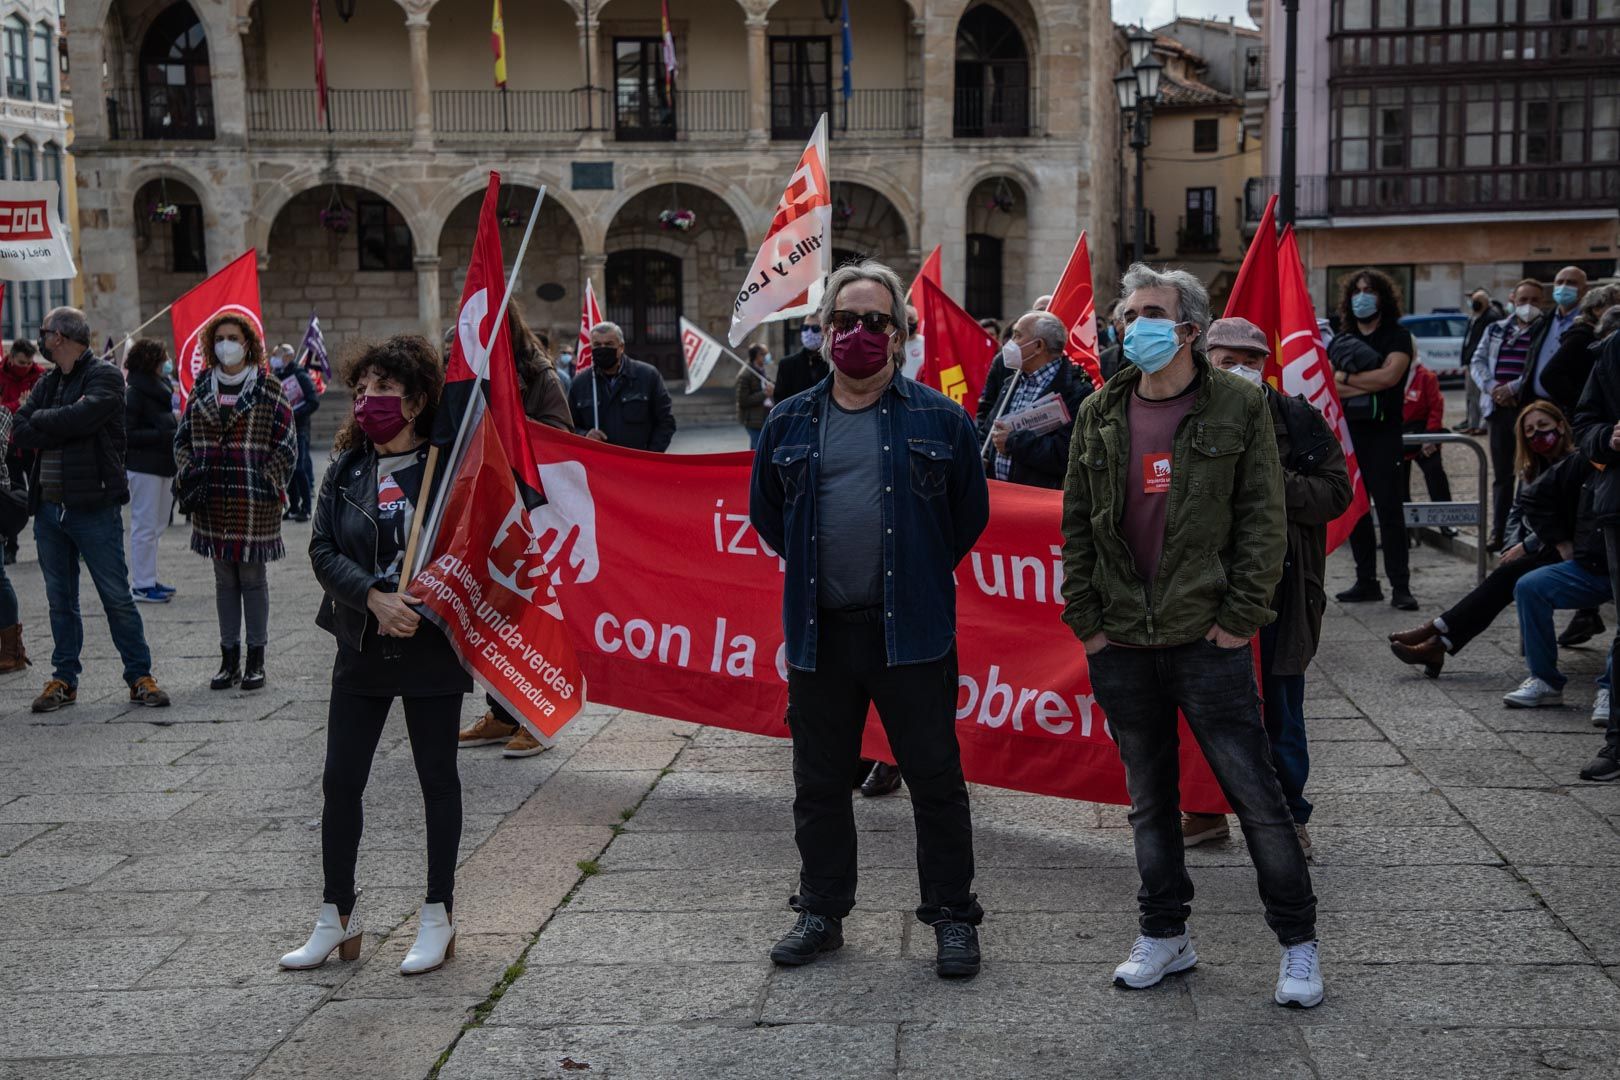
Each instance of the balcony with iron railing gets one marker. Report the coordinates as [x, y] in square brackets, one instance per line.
[1199, 235]
[1413, 191]
[384, 113]
[1519, 47]
[1006, 112]
[1255, 73]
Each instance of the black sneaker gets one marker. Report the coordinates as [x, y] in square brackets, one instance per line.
[1606, 766]
[1402, 600]
[958, 956]
[1361, 592]
[883, 780]
[811, 936]
[1585, 626]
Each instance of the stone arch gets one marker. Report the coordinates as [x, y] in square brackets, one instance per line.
[996, 243]
[866, 222]
[753, 217]
[170, 257]
[276, 194]
[454, 192]
[1002, 111]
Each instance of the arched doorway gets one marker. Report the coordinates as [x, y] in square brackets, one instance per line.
[550, 282]
[996, 285]
[866, 225]
[170, 241]
[177, 92]
[658, 271]
[992, 76]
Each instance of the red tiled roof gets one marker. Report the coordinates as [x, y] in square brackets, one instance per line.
[1174, 91]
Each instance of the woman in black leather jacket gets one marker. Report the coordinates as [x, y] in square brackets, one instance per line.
[385, 649]
[149, 426]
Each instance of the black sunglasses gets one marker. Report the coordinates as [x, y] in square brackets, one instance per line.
[875, 322]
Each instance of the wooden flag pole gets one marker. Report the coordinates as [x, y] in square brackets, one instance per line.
[415, 540]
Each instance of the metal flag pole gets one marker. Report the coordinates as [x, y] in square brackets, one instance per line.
[1001, 408]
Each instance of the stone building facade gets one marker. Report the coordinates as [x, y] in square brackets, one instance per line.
[34, 120]
[985, 126]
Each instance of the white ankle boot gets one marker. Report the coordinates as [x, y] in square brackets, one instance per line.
[435, 941]
[329, 934]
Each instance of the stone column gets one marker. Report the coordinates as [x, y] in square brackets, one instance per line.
[90, 124]
[416, 25]
[227, 64]
[759, 89]
[428, 312]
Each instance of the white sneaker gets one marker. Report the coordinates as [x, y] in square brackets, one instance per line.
[1532, 694]
[1600, 708]
[1152, 958]
[1299, 977]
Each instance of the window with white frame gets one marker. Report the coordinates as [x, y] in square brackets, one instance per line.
[24, 160]
[44, 65]
[16, 47]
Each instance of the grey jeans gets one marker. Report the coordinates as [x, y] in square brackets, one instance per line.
[240, 587]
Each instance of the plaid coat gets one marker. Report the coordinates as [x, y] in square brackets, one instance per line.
[247, 453]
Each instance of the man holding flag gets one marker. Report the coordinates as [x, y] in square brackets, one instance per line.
[620, 400]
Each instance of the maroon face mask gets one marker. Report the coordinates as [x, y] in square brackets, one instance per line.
[859, 353]
[1545, 442]
[381, 418]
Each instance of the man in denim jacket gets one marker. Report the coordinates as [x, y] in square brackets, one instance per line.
[869, 486]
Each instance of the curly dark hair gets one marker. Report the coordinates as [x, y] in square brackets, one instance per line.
[1389, 296]
[254, 347]
[407, 359]
[145, 356]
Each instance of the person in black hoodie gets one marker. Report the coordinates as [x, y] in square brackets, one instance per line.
[1597, 431]
[149, 426]
[1036, 351]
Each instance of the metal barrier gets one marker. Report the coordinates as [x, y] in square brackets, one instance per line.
[1455, 513]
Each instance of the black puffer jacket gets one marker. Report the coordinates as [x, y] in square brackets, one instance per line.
[1595, 417]
[149, 424]
[82, 415]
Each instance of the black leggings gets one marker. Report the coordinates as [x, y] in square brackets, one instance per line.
[1379, 452]
[354, 724]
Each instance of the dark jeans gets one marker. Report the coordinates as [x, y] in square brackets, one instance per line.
[753, 436]
[1285, 728]
[826, 713]
[1140, 690]
[301, 487]
[1562, 586]
[1611, 539]
[354, 723]
[1467, 618]
[1378, 452]
[97, 536]
[1434, 478]
[1503, 445]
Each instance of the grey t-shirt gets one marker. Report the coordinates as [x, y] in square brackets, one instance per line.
[849, 510]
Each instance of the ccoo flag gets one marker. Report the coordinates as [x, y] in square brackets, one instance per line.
[700, 351]
[1254, 294]
[791, 267]
[1074, 302]
[589, 315]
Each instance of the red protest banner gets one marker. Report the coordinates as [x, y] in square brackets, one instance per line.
[487, 588]
[234, 289]
[684, 617]
[1074, 301]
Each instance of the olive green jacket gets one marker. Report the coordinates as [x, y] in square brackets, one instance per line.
[1226, 528]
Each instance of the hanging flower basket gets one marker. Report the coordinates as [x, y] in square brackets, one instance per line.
[677, 220]
[337, 219]
[843, 210]
[510, 219]
[1003, 201]
[163, 212]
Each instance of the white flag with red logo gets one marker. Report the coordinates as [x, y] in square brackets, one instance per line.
[589, 316]
[700, 351]
[233, 290]
[33, 243]
[791, 267]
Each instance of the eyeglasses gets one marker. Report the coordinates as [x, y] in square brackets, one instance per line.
[875, 322]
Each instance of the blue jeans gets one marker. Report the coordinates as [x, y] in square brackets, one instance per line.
[64, 537]
[1562, 586]
[753, 437]
[1285, 727]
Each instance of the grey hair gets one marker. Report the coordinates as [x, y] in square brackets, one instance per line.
[1597, 299]
[1048, 329]
[1192, 299]
[1610, 322]
[70, 322]
[849, 274]
[609, 328]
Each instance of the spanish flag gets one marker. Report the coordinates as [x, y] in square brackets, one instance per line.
[497, 42]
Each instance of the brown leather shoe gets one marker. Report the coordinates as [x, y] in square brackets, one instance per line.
[1200, 828]
[1431, 655]
[13, 657]
[55, 695]
[524, 744]
[489, 730]
[1417, 635]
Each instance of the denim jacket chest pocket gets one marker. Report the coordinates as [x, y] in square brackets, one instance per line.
[792, 465]
[931, 461]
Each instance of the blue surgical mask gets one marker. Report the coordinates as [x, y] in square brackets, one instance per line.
[1364, 305]
[1565, 295]
[810, 337]
[168, 367]
[1150, 344]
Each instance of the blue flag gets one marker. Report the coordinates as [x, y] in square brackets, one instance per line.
[849, 47]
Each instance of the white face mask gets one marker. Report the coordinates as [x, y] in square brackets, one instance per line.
[1012, 355]
[1525, 312]
[229, 353]
[1244, 371]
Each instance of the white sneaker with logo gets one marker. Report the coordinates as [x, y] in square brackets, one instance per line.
[1152, 958]
[1600, 708]
[1533, 693]
[1299, 977]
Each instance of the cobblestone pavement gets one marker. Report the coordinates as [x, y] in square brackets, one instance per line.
[618, 894]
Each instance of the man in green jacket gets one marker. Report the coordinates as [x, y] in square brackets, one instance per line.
[1174, 533]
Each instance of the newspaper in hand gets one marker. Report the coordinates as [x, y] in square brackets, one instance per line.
[1047, 414]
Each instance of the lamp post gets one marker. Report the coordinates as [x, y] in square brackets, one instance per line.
[1288, 180]
[1137, 88]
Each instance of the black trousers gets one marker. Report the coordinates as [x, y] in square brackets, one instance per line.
[1379, 453]
[1501, 424]
[1434, 477]
[354, 725]
[917, 704]
[1611, 541]
[1469, 617]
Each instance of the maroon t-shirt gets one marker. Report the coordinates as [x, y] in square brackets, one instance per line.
[1147, 475]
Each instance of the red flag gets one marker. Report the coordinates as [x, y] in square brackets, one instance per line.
[930, 270]
[234, 289]
[957, 351]
[320, 62]
[1305, 369]
[484, 350]
[1075, 303]
[589, 316]
[1254, 293]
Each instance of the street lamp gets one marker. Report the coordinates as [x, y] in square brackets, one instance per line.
[1137, 88]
